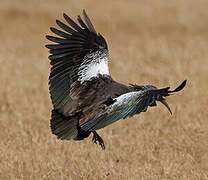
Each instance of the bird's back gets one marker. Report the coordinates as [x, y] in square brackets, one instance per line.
[92, 96]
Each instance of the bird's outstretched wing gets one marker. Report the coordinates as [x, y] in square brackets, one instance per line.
[124, 106]
[129, 104]
[78, 55]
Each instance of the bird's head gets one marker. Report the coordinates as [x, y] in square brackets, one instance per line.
[155, 94]
[160, 94]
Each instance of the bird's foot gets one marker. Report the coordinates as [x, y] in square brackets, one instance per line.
[96, 138]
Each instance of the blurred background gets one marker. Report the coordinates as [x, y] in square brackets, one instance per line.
[151, 42]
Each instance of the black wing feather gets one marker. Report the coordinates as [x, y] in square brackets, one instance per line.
[59, 33]
[67, 53]
[87, 19]
[82, 23]
[72, 23]
[56, 39]
[65, 27]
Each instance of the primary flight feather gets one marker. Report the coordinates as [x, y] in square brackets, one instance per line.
[85, 97]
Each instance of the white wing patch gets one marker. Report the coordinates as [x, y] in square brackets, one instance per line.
[124, 99]
[94, 64]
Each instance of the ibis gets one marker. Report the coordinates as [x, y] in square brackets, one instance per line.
[85, 97]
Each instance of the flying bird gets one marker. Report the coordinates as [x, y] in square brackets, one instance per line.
[84, 95]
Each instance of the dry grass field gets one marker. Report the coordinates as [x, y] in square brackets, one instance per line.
[151, 42]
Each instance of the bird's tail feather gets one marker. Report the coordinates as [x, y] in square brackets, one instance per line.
[67, 127]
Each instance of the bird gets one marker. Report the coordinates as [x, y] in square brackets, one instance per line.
[85, 97]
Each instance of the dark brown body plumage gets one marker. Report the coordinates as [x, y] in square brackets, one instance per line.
[92, 95]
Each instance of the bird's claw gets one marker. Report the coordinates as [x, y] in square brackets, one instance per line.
[96, 138]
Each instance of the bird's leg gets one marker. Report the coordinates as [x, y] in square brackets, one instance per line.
[96, 138]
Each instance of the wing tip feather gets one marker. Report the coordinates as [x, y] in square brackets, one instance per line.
[88, 22]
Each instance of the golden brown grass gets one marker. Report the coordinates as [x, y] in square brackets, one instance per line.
[151, 42]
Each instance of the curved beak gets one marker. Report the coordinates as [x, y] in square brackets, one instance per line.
[166, 105]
